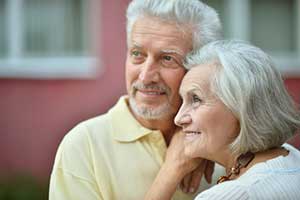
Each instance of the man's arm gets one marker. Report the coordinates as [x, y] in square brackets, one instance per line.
[66, 186]
[72, 177]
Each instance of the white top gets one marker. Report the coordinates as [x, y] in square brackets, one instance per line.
[275, 179]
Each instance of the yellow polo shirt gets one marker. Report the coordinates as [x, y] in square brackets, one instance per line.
[110, 157]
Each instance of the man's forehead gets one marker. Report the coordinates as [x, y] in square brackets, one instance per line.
[153, 28]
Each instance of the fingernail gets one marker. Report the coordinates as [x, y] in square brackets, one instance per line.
[192, 190]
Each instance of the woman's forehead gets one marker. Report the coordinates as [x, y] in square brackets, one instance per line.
[198, 78]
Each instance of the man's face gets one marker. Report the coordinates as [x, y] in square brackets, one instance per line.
[154, 67]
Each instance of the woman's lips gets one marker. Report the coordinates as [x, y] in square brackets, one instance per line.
[190, 135]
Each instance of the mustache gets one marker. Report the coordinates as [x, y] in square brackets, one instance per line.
[160, 87]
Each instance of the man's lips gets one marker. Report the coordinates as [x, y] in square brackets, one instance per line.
[151, 92]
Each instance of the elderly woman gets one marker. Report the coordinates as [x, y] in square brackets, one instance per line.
[236, 112]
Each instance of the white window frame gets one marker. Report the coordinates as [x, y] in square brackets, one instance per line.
[14, 65]
[239, 27]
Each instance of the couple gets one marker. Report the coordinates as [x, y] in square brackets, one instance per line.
[123, 153]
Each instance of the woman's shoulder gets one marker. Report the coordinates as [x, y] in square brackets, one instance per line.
[232, 190]
[294, 153]
[284, 164]
[278, 174]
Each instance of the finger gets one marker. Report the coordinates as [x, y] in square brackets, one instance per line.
[197, 175]
[209, 170]
[178, 136]
[185, 183]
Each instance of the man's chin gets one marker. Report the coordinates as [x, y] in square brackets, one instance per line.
[149, 111]
[152, 101]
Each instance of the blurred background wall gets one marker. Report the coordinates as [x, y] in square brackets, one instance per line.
[47, 87]
[62, 61]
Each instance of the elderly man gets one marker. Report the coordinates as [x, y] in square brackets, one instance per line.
[118, 155]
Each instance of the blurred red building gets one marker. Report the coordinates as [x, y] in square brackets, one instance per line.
[36, 113]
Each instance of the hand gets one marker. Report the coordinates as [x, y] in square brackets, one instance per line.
[175, 167]
[173, 170]
[191, 181]
[176, 159]
[209, 170]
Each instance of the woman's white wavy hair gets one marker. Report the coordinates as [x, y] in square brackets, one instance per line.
[247, 82]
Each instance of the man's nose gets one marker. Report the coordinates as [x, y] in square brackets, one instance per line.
[150, 72]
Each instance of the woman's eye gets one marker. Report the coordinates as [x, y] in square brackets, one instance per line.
[196, 99]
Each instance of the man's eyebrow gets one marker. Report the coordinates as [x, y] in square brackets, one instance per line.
[168, 51]
[172, 51]
[135, 45]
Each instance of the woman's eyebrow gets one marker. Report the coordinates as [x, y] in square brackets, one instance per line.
[194, 88]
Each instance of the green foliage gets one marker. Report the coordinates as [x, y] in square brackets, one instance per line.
[22, 188]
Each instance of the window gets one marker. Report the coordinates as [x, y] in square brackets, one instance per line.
[273, 25]
[280, 33]
[42, 38]
[2, 33]
[220, 6]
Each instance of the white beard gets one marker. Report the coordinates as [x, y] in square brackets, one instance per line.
[160, 112]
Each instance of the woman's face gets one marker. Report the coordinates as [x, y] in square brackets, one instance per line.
[208, 124]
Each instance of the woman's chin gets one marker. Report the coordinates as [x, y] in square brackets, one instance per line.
[192, 151]
[192, 146]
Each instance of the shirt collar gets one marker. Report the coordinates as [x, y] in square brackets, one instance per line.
[125, 127]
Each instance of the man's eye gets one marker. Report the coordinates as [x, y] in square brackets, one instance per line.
[169, 62]
[137, 56]
[168, 58]
[136, 53]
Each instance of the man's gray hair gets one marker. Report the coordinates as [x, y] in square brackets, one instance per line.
[247, 82]
[203, 20]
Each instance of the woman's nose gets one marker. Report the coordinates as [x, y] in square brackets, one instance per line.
[182, 119]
